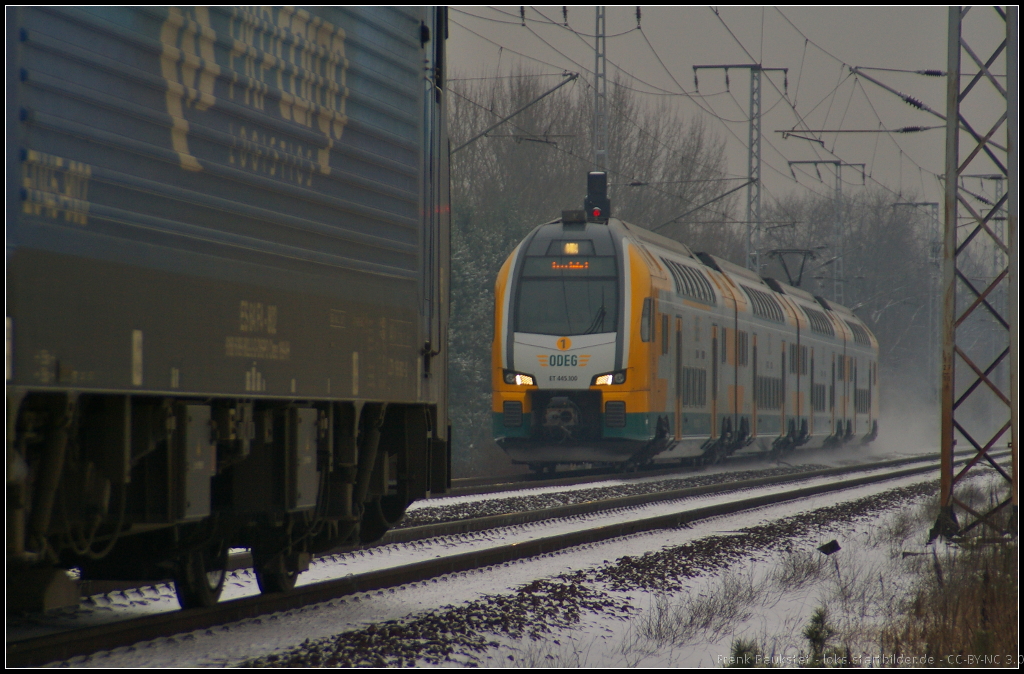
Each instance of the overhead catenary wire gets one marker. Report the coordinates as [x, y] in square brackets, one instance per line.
[499, 46]
[701, 101]
[904, 129]
[800, 73]
[845, 111]
[583, 160]
[874, 111]
[765, 162]
[837, 59]
[571, 78]
[714, 114]
[546, 21]
[749, 55]
[583, 68]
[503, 77]
[681, 88]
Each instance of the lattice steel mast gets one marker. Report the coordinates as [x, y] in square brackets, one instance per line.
[753, 260]
[966, 231]
[600, 93]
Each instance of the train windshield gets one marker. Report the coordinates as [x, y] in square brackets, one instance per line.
[568, 296]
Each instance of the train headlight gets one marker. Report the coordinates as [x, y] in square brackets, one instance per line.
[609, 378]
[518, 379]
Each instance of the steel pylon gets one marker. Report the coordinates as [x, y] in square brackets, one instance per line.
[979, 382]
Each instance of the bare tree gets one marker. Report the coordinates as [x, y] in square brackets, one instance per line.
[886, 276]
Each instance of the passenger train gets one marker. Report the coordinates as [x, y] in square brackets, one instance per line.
[615, 345]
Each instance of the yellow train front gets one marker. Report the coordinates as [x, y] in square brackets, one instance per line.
[614, 345]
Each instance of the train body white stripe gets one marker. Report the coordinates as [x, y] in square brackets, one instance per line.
[506, 302]
[627, 291]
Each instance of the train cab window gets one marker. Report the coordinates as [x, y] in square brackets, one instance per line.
[567, 307]
[567, 296]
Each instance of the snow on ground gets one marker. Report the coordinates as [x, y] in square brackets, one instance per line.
[767, 600]
[775, 616]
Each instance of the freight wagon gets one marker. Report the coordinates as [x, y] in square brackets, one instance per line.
[227, 294]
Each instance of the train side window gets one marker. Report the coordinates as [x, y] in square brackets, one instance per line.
[725, 343]
[646, 322]
[664, 334]
[741, 347]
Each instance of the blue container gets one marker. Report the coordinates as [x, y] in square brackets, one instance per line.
[226, 201]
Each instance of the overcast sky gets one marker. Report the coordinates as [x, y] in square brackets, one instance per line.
[816, 44]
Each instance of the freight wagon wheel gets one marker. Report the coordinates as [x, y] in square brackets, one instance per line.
[199, 578]
[272, 575]
[380, 515]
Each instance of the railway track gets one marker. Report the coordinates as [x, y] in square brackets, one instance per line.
[472, 486]
[759, 492]
[460, 487]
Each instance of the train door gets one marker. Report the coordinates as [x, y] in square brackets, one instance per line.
[856, 401]
[679, 376]
[753, 384]
[782, 406]
[811, 409]
[714, 380]
[844, 378]
[737, 402]
[832, 397]
[871, 393]
[801, 370]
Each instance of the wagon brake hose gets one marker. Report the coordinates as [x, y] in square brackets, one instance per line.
[84, 548]
[366, 467]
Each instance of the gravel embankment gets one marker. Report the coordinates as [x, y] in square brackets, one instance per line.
[512, 504]
[458, 633]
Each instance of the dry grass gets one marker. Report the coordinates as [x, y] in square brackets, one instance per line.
[891, 605]
[966, 607]
[963, 609]
[799, 568]
[709, 614]
[568, 651]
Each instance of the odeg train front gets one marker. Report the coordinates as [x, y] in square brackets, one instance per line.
[613, 345]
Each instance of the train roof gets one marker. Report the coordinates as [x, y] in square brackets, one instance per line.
[647, 236]
[730, 269]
